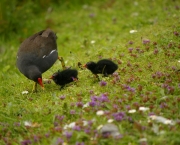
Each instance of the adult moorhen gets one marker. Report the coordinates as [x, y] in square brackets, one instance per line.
[64, 77]
[36, 55]
[104, 66]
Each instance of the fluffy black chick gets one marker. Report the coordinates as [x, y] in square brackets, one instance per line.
[104, 66]
[65, 77]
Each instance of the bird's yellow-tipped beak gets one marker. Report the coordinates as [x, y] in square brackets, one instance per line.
[40, 82]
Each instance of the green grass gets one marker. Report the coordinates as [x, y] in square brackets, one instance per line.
[108, 24]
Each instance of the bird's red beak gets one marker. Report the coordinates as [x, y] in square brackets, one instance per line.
[41, 83]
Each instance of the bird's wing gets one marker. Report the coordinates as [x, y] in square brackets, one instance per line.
[40, 44]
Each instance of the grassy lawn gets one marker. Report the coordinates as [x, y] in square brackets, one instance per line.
[141, 99]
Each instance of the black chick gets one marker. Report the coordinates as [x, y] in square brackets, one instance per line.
[104, 66]
[65, 77]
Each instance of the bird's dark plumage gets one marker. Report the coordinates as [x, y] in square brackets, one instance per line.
[64, 77]
[37, 54]
[104, 66]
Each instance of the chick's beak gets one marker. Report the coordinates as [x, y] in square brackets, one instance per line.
[85, 66]
[40, 83]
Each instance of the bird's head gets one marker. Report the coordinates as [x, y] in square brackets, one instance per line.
[54, 76]
[90, 65]
[35, 75]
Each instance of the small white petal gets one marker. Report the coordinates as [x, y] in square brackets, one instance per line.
[100, 112]
[99, 127]
[86, 105]
[25, 92]
[85, 123]
[143, 108]
[143, 140]
[110, 120]
[71, 125]
[27, 123]
[132, 31]
[92, 42]
[132, 111]
[179, 61]
[65, 127]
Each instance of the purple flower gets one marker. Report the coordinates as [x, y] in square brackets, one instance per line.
[92, 103]
[36, 138]
[119, 136]
[115, 74]
[77, 128]
[119, 116]
[128, 88]
[17, 124]
[176, 33]
[91, 92]
[130, 42]
[103, 83]
[68, 135]
[106, 134]
[79, 143]
[130, 50]
[90, 122]
[47, 135]
[103, 98]
[62, 97]
[59, 117]
[151, 113]
[163, 105]
[79, 104]
[145, 41]
[128, 107]
[94, 98]
[156, 51]
[115, 106]
[72, 112]
[26, 142]
[87, 131]
[59, 141]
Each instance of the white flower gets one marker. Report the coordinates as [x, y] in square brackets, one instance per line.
[162, 119]
[179, 61]
[27, 123]
[86, 105]
[25, 92]
[143, 108]
[132, 111]
[143, 140]
[85, 123]
[99, 127]
[132, 31]
[65, 127]
[71, 125]
[100, 112]
[93, 41]
[110, 120]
